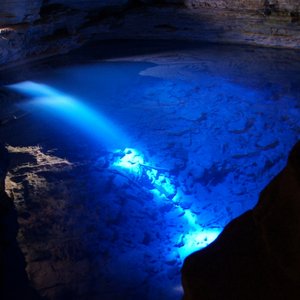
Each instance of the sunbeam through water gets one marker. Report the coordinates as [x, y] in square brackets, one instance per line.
[74, 111]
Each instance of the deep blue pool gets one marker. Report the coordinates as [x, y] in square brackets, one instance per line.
[158, 151]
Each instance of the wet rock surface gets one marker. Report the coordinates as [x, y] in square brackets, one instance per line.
[198, 116]
[257, 255]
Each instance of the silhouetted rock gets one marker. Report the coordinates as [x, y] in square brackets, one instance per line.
[257, 255]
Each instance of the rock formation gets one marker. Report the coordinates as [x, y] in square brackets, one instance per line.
[33, 29]
[14, 282]
[257, 255]
[13, 12]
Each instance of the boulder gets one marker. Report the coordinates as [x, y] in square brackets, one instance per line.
[257, 254]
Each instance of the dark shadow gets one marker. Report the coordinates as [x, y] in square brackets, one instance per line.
[257, 254]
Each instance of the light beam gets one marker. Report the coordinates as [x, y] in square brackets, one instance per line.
[72, 110]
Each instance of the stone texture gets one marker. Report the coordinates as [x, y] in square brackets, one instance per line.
[274, 5]
[59, 26]
[88, 5]
[13, 12]
[213, 25]
[63, 25]
[257, 255]
[28, 11]
[227, 4]
[14, 282]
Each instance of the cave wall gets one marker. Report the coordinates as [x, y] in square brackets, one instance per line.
[12, 12]
[277, 5]
[91, 4]
[30, 29]
[17, 11]
[231, 4]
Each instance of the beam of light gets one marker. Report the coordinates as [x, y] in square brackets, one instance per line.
[129, 161]
[75, 112]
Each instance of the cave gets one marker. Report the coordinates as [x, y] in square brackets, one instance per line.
[138, 136]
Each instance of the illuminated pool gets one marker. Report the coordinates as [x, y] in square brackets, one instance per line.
[131, 160]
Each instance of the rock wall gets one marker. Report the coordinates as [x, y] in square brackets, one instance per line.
[12, 12]
[260, 249]
[91, 4]
[231, 4]
[31, 29]
[262, 27]
[18, 11]
[276, 5]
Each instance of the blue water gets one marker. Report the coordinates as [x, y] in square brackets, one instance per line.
[172, 146]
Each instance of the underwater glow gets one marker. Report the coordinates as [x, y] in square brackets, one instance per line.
[156, 179]
[191, 219]
[129, 159]
[196, 240]
[70, 109]
[159, 183]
